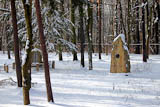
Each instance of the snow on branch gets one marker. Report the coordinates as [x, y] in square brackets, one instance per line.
[4, 10]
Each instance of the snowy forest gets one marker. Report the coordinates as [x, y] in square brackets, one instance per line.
[80, 53]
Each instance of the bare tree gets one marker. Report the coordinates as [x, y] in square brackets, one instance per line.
[99, 27]
[26, 69]
[16, 44]
[82, 37]
[74, 39]
[144, 32]
[137, 28]
[44, 52]
[90, 32]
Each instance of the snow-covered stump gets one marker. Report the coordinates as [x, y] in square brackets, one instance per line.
[120, 62]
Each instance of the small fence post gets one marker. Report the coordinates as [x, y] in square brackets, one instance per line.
[37, 67]
[6, 68]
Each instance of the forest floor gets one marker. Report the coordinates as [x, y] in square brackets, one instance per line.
[74, 86]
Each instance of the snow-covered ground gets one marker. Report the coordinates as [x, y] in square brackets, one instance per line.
[74, 86]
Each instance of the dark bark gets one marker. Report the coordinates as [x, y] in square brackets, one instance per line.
[99, 27]
[103, 18]
[9, 53]
[82, 37]
[157, 26]
[116, 21]
[26, 69]
[4, 31]
[122, 26]
[60, 54]
[44, 52]
[1, 36]
[0, 42]
[129, 17]
[149, 19]
[60, 47]
[144, 34]
[73, 29]
[137, 29]
[89, 35]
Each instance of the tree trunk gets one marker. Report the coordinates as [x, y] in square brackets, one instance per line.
[99, 28]
[60, 47]
[26, 70]
[82, 37]
[122, 26]
[149, 20]
[156, 25]
[44, 52]
[129, 17]
[73, 29]
[60, 52]
[116, 21]
[89, 35]
[137, 29]
[144, 33]
[4, 31]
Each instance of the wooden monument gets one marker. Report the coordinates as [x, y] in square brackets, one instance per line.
[36, 56]
[120, 62]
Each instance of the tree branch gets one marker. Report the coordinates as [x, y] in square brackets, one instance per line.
[4, 10]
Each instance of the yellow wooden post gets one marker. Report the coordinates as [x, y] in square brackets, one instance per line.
[37, 67]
